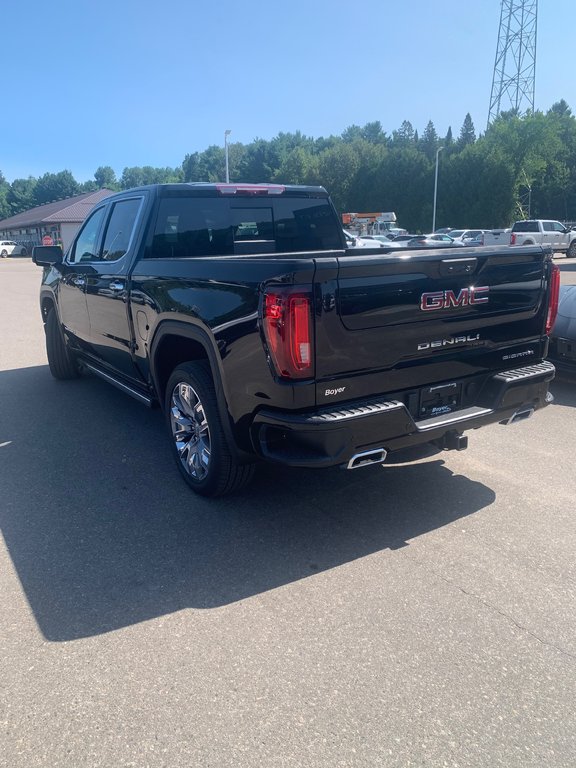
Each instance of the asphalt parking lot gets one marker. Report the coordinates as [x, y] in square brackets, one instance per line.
[412, 615]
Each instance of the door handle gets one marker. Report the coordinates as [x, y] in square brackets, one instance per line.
[79, 282]
[116, 286]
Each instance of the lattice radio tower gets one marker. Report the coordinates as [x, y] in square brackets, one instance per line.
[515, 65]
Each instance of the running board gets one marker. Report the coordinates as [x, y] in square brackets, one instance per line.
[146, 399]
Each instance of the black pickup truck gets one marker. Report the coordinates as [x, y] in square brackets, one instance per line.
[238, 309]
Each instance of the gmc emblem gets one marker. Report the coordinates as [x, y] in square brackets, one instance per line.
[448, 299]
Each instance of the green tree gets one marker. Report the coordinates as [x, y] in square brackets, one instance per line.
[373, 133]
[139, 176]
[401, 181]
[105, 177]
[88, 186]
[476, 188]
[429, 142]
[337, 168]
[467, 132]
[352, 133]
[20, 196]
[299, 167]
[259, 163]
[561, 109]
[4, 205]
[55, 186]
[404, 136]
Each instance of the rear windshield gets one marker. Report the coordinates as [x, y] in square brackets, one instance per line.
[525, 226]
[189, 226]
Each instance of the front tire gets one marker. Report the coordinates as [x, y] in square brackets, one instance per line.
[198, 440]
[571, 252]
[62, 364]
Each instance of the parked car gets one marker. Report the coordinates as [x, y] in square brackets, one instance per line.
[10, 248]
[354, 241]
[562, 349]
[434, 241]
[382, 240]
[466, 234]
[403, 238]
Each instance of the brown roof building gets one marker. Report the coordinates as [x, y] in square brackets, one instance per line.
[60, 220]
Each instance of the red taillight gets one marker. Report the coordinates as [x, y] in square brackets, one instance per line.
[288, 332]
[513, 238]
[554, 296]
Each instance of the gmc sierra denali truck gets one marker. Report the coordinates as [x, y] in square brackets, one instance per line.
[559, 238]
[238, 309]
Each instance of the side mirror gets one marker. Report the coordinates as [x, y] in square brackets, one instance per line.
[47, 255]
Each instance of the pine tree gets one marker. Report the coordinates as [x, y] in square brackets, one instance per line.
[467, 132]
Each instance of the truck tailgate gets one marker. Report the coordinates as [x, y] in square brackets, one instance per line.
[453, 313]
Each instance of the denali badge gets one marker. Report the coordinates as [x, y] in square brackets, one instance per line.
[438, 343]
[448, 299]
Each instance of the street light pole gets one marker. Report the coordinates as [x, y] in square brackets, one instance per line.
[435, 189]
[226, 134]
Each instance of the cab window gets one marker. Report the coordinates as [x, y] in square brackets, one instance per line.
[120, 228]
[86, 246]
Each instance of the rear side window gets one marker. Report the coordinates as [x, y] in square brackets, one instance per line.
[525, 226]
[189, 226]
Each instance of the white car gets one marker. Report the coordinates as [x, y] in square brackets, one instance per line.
[381, 240]
[461, 235]
[353, 241]
[434, 240]
[10, 248]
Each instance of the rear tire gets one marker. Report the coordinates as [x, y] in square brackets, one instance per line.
[4, 254]
[199, 443]
[61, 362]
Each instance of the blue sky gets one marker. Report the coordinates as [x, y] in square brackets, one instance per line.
[136, 82]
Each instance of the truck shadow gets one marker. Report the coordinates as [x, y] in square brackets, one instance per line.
[103, 533]
[563, 388]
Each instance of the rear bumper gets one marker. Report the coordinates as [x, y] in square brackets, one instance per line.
[328, 437]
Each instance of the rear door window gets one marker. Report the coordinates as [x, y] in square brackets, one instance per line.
[525, 226]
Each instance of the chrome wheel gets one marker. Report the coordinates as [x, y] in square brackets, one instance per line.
[201, 448]
[190, 431]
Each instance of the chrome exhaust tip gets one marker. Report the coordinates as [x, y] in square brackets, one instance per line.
[364, 459]
[519, 416]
